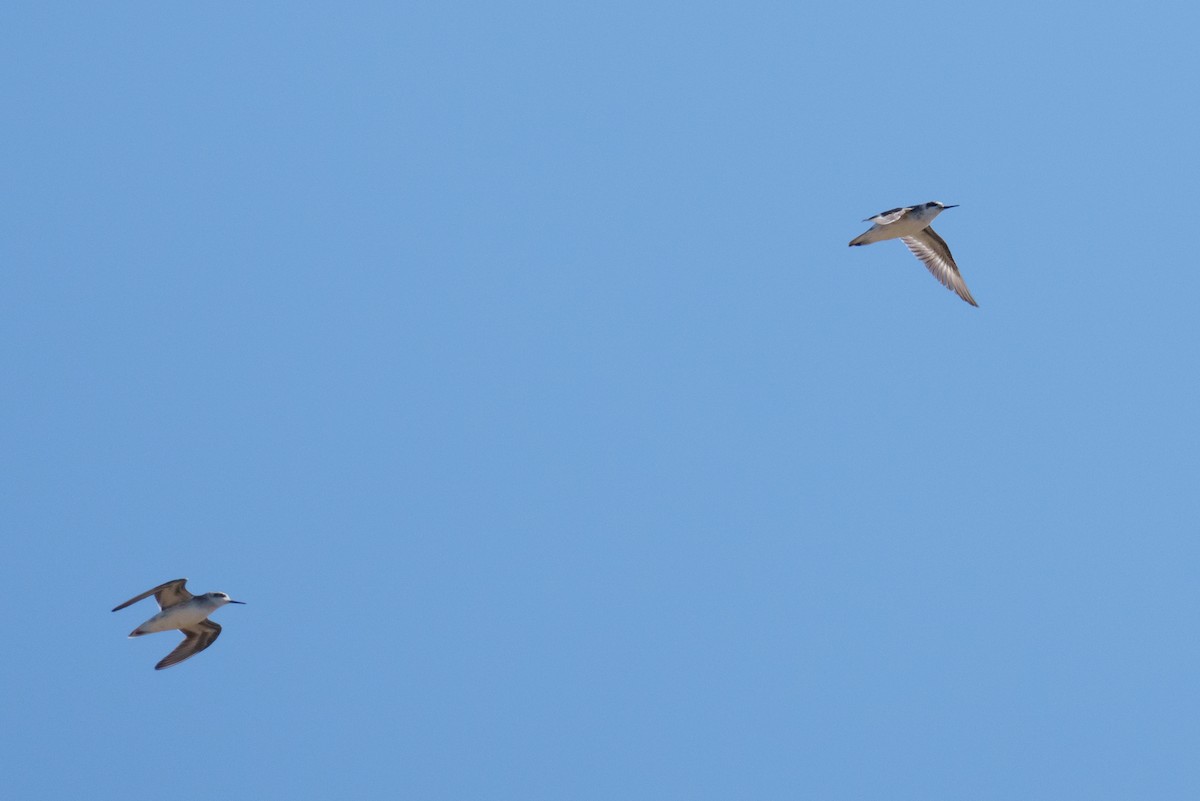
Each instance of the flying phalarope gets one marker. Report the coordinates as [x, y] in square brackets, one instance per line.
[910, 224]
[186, 612]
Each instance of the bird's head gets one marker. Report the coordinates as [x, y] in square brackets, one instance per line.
[221, 599]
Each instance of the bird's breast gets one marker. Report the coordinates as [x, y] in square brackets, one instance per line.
[178, 616]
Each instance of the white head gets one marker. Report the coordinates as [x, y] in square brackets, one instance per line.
[935, 207]
[220, 598]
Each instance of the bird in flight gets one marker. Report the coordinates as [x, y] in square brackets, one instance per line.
[910, 224]
[179, 609]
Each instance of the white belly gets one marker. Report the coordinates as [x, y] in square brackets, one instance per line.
[185, 614]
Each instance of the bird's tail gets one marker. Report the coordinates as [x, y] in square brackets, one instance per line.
[864, 238]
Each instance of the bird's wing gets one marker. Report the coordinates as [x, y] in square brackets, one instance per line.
[197, 638]
[930, 248]
[890, 216]
[167, 594]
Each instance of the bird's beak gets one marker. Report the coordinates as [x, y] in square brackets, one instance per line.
[236, 602]
[955, 206]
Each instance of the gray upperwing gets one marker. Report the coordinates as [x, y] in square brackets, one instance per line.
[890, 216]
[196, 639]
[167, 594]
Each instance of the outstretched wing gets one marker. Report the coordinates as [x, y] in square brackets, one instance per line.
[930, 248]
[168, 594]
[197, 638]
[889, 216]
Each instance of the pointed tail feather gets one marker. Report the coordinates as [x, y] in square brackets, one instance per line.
[866, 237]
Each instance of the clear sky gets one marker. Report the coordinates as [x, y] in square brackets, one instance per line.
[509, 361]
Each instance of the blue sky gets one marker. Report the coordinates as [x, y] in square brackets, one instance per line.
[508, 360]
